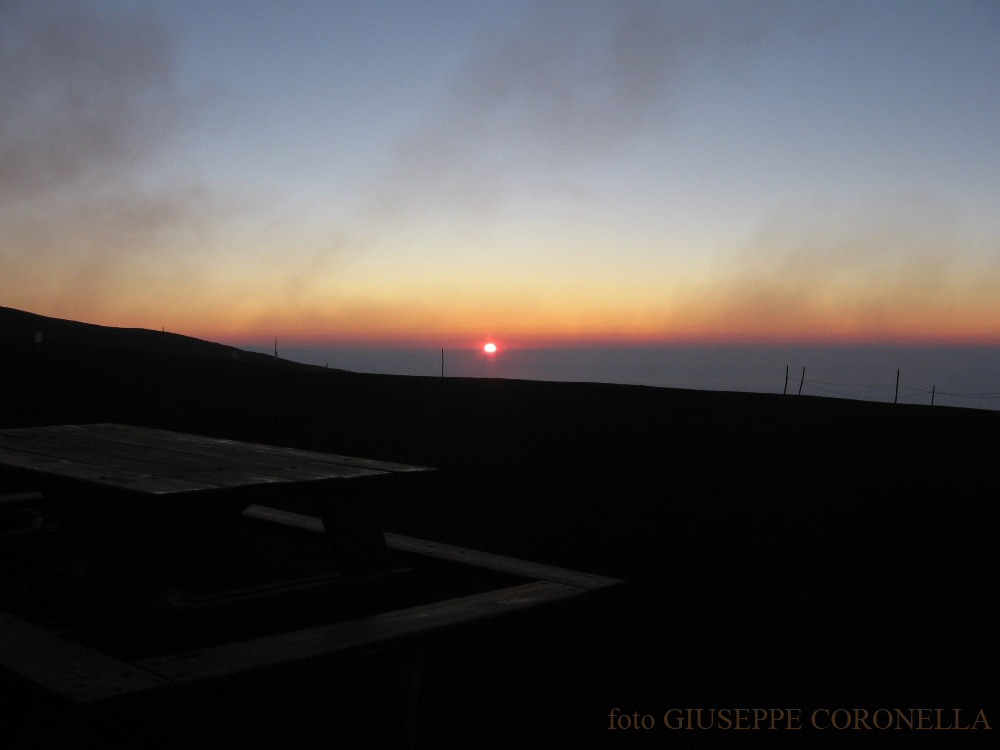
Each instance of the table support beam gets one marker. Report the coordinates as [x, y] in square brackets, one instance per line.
[353, 525]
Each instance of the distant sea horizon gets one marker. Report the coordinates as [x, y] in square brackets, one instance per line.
[964, 376]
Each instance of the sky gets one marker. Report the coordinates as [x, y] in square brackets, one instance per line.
[541, 174]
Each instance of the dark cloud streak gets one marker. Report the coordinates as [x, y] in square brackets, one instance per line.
[576, 83]
[83, 96]
[894, 259]
[89, 106]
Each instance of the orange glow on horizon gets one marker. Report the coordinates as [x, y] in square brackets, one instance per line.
[296, 334]
[692, 320]
[707, 336]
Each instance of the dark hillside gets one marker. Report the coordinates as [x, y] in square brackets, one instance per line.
[778, 550]
[20, 331]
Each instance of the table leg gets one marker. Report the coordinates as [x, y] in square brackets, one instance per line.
[351, 520]
[116, 561]
[383, 700]
[411, 665]
[125, 550]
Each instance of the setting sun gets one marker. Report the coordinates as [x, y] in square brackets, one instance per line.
[490, 348]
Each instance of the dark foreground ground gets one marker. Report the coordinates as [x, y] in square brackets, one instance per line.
[778, 551]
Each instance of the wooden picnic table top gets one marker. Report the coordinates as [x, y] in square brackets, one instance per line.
[146, 499]
[150, 462]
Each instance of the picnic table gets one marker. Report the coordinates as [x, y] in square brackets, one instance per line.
[136, 504]
[141, 499]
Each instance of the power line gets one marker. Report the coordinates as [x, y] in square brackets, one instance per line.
[918, 392]
[970, 395]
[848, 395]
[854, 385]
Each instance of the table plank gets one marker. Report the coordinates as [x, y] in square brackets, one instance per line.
[499, 563]
[66, 668]
[224, 471]
[447, 552]
[98, 475]
[343, 640]
[255, 452]
[108, 469]
[115, 468]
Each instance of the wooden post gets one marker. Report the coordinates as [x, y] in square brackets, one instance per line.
[442, 363]
[786, 381]
[275, 347]
[896, 397]
[933, 388]
[803, 380]
[353, 530]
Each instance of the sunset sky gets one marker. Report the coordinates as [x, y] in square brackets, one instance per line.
[441, 173]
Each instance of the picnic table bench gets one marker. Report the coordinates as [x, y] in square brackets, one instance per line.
[135, 506]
